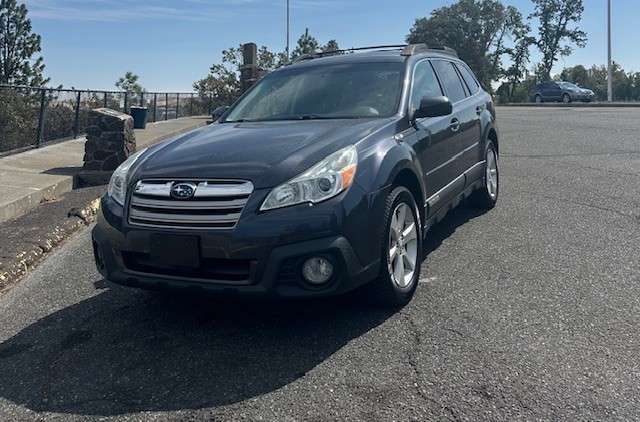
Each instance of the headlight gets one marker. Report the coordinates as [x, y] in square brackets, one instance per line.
[323, 181]
[118, 183]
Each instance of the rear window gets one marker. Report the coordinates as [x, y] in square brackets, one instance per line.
[469, 79]
[450, 80]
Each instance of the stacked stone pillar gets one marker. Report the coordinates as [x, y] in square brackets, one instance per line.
[249, 71]
[110, 140]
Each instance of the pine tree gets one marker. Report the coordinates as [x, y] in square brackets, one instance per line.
[307, 44]
[17, 47]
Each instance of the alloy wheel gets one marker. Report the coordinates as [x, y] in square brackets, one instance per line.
[491, 175]
[403, 245]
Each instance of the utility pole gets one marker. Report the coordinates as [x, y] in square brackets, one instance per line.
[609, 69]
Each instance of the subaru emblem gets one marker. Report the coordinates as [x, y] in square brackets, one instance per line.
[183, 190]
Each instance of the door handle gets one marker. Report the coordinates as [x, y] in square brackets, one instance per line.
[455, 124]
[479, 109]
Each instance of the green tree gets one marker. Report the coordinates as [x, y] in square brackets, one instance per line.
[307, 44]
[622, 83]
[129, 83]
[556, 18]
[635, 86]
[479, 30]
[18, 46]
[223, 79]
[579, 75]
[518, 53]
[598, 82]
[330, 47]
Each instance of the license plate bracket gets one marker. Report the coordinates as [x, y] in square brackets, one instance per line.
[178, 250]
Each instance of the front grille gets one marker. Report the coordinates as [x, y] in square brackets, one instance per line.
[215, 204]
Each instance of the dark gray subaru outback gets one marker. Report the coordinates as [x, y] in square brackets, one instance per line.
[323, 177]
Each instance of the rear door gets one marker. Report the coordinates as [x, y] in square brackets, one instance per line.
[465, 112]
[471, 110]
[552, 91]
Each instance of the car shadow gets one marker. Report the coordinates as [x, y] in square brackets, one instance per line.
[127, 350]
[445, 228]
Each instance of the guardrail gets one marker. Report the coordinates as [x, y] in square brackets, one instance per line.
[32, 117]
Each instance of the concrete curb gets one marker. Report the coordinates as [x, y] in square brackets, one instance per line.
[14, 268]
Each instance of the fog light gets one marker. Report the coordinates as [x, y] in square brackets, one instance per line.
[317, 270]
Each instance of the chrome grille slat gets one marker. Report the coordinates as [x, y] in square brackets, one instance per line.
[157, 217]
[137, 201]
[214, 205]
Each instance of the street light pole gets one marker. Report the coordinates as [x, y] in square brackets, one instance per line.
[287, 29]
[609, 69]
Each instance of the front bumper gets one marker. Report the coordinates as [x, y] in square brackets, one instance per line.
[261, 257]
[582, 96]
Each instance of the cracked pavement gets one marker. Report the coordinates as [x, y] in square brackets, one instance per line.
[527, 312]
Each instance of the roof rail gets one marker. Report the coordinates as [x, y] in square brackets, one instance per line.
[407, 50]
[346, 50]
[412, 49]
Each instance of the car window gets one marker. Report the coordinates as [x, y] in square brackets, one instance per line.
[568, 85]
[450, 80]
[425, 84]
[471, 82]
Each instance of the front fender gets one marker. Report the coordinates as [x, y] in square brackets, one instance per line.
[384, 161]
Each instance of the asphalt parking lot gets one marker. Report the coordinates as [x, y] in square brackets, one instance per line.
[527, 312]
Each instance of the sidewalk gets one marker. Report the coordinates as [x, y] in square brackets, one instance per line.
[38, 175]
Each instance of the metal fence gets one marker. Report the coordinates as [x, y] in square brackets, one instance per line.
[33, 117]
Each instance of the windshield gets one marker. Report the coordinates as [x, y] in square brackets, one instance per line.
[347, 90]
[568, 85]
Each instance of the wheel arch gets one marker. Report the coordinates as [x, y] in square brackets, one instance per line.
[493, 137]
[409, 180]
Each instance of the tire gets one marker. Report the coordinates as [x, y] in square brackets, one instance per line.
[401, 251]
[538, 98]
[566, 98]
[487, 196]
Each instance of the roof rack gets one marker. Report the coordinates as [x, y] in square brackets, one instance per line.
[346, 50]
[407, 50]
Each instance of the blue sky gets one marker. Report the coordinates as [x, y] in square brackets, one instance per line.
[89, 44]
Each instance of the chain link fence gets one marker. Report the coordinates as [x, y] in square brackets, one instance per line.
[33, 117]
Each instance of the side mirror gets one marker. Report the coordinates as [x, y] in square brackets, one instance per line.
[433, 107]
[218, 112]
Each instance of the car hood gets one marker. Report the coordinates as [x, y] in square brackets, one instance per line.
[266, 153]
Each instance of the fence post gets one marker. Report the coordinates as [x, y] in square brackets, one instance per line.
[191, 106]
[76, 123]
[166, 106]
[41, 117]
[105, 99]
[126, 99]
[177, 105]
[142, 99]
[210, 103]
[155, 105]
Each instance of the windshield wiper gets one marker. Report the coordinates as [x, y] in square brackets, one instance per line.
[315, 117]
[237, 121]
